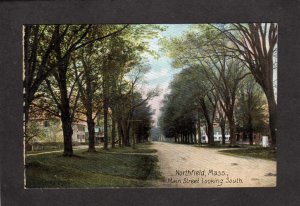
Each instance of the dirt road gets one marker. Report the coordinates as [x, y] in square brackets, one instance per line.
[188, 166]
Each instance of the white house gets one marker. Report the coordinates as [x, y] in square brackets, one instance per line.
[217, 135]
[81, 134]
[80, 131]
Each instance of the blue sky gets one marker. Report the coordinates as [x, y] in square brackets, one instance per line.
[161, 72]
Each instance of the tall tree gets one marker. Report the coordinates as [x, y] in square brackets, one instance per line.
[124, 56]
[191, 95]
[144, 124]
[256, 44]
[222, 121]
[250, 113]
[74, 38]
[85, 65]
[39, 41]
[222, 70]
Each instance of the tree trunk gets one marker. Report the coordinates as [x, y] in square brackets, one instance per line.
[125, 136]
[251, 137]
[199, 132]
[272, 106]
[209, 122]
[250, 130]
[67, 133]
[88, 104]
[91, 129]
[113, 131]
[210, 134]
[195, 136]
[133, 135]
[222, 125]
[105, 106]
[232, 130]
[66, 118]
[120, 133]
[105, 112]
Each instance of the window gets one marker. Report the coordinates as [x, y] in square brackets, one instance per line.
[80, 127]
[46, 123]
[80, 137]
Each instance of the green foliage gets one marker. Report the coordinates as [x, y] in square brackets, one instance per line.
[143, 117]
[213, 71]
[251, 110]
[178, 111]
[86, 65]
[37, 132]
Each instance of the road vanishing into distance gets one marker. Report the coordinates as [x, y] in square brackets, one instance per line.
[189, 166]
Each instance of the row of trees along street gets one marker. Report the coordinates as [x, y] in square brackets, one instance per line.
[226, 77]
[84, 72]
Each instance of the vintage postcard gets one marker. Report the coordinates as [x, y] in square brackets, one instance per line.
[150, 105]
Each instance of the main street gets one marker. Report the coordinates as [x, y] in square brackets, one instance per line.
[189, 166]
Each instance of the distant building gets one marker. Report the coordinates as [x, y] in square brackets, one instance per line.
[81, 134]
[80, 131]
[241, 137]
[217, 135]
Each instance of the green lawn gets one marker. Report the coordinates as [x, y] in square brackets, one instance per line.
[141, 148]
[257, 152]
[216, 146]
[219, 145]
[111, 168]
[45, 147]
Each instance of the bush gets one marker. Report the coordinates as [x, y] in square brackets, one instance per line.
[37, 132]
